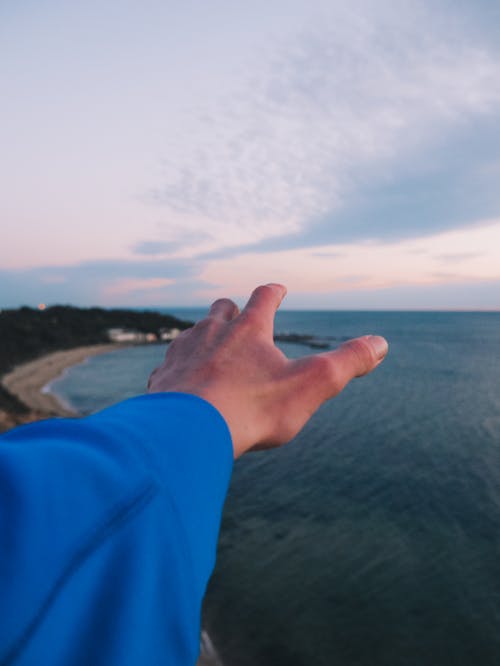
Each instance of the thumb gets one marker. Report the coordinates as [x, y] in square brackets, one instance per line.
[359, 356]
[356, 358]
[331, 371]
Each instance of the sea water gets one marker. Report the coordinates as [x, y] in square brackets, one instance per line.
[373, 539]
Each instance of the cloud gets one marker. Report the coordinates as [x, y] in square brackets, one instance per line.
[371, 125]
[367, 266]
[458, 257]
[127, 286]
[353, 279]
[154, 247]
[459, 295]
[181, 240]
[452, 186]
[101, 282]
[327, 255]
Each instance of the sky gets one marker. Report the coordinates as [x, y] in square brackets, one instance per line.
[167, 153]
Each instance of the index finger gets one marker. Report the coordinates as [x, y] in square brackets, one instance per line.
[263, 303]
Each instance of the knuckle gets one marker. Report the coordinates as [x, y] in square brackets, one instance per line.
[326, 371]
[320, 365]
[206, 325]
[361, 354]
[321, 373]
[250, 319]
[222, 302]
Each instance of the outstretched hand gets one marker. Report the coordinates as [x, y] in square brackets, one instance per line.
[230, 359]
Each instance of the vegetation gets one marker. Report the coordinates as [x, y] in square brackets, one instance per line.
[27, 333]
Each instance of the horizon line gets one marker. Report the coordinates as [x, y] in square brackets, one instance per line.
[298, 309]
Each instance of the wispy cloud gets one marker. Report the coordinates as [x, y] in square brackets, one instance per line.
[182, 239]
[128, 286]
[369, 266]
[154, 247]
[458, 257]
[101, 282]
[344, 118]
[326, 255]
[316, 141]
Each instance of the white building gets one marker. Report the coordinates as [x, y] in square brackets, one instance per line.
[169, 334]
[126, 335]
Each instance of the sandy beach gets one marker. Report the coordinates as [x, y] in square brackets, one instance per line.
[27, 380]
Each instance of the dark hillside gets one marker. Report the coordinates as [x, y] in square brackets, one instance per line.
[27, 333]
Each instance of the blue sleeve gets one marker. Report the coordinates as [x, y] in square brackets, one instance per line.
[108, 533]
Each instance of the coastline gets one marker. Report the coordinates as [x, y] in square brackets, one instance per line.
[28, 380]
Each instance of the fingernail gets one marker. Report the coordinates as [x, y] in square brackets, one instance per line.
[281, 287]
[380, 346]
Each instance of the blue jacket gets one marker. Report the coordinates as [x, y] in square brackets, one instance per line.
[108, 532]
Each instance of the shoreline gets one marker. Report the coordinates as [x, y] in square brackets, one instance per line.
[27, 381]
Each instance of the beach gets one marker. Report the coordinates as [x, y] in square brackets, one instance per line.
[28, 380]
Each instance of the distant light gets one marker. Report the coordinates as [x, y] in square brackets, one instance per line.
[41, 306]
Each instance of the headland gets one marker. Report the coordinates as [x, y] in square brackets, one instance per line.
[37, 345]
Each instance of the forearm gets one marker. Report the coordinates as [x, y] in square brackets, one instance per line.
[110, 521]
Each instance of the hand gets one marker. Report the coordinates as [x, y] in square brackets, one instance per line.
[230, 359]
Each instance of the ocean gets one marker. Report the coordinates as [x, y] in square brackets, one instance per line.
[372, 539]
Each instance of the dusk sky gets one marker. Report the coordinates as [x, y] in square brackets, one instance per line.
[166, 153]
